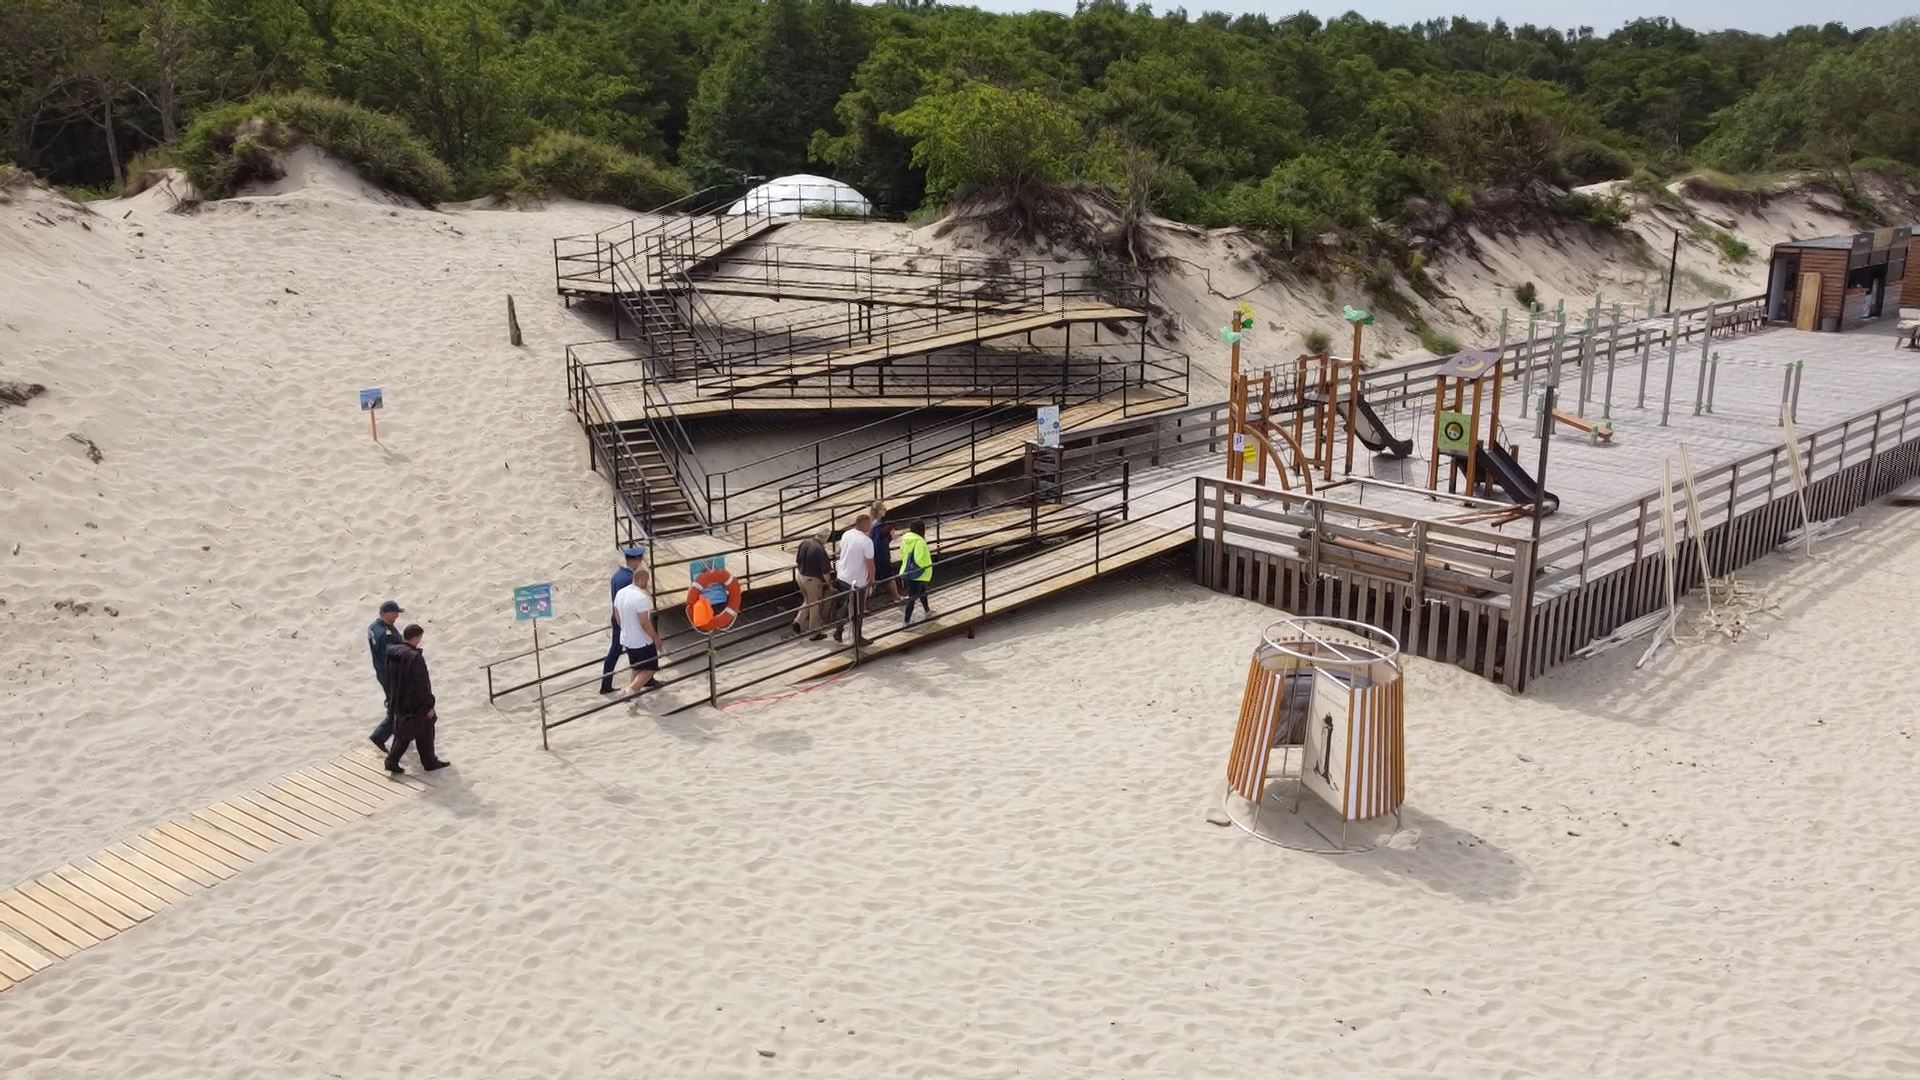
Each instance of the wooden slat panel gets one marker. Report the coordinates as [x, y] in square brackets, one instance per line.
[342, 779]
[197, 841]
[300, 801]
[182, 857]
[32, 931]
[258, 804]
[157, 875]
[256, 842]
[363, 804]
[106, 921]
[31, 909]
[22, 953]
[278, 831]
[135, 891]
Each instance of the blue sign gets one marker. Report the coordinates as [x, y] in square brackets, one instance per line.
[371, 399]
[533, 602]
[700, 566]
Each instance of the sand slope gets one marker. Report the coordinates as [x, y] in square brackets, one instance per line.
[986, 859]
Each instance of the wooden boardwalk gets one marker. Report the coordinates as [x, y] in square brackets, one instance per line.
[87, 901]
[922, 340]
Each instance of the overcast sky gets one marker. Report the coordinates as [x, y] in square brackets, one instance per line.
[1759, 16]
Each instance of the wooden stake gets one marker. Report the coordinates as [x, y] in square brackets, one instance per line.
[1433, 456]
[373, 423]
[1473, 439]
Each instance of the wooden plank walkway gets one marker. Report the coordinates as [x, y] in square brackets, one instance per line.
[956, 603]
[823, 292]
[930, 340]
[79, 905]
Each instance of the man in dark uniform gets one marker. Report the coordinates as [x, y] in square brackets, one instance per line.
[636, 558]
[381, 633]
[413, 703]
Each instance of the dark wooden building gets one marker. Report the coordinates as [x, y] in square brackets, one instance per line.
[1839, 282]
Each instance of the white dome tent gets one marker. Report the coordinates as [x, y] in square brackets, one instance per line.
[802, 193]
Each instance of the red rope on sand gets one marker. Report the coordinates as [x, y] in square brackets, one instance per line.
[790, 694]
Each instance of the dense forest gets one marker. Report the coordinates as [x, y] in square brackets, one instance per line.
[1289, 125]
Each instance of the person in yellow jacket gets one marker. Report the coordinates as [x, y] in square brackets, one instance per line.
[916, 568]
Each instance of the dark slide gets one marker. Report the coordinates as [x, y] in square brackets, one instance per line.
[1371, 431]
[1498, 467]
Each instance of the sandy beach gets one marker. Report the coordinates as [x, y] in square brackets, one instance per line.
[987, 858]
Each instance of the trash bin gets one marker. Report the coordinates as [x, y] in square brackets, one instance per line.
[1829, 323]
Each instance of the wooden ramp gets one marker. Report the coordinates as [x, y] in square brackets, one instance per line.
[968, 331]
[956, 604]
[838, 503]
[981, 296]
[771, 565]
[87, 901]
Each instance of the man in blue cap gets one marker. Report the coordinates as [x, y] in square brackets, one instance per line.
[381, 634]
[636, 557]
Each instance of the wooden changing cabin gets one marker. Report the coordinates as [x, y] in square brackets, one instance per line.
[1839, 282]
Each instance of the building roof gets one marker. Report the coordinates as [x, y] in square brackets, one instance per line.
[1843, 242]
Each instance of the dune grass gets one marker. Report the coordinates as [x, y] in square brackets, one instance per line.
[230, 146]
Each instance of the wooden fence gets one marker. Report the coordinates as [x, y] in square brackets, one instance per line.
[1600, 573]
[1449, 592]
[1445, 591]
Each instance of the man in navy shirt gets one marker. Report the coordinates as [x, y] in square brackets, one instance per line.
[636, 558]
[381, 633]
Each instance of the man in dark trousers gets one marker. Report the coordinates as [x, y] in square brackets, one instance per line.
[636, 558]
[413, 711]
[381, 633]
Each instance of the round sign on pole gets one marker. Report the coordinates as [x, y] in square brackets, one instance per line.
[1454, 433]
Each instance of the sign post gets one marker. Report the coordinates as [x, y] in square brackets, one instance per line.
[1047, 422]
[531, 603]
[372, 400]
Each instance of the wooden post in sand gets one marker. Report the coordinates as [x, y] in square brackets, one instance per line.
[513, 323]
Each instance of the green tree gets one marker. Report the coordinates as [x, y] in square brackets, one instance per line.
[981, 135]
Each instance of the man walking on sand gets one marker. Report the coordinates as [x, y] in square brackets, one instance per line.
[916, 568]
[413, 705]
[636, 558]
[381, 634]
[633, 612]
[855, 572]
[811, 571]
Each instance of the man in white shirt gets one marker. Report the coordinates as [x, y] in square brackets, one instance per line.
[855, 571]
[633, 610]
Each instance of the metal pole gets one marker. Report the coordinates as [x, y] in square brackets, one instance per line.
[1526, 367]
[539, 679]
[1540, 474]
[1786, 386]
[713, 692]
[1673, 265]
[1700, 387]
[1586, 359]
[1613, 347]
[1799, 374]
[1673, 361]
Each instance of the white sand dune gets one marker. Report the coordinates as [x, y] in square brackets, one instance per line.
[988, 858]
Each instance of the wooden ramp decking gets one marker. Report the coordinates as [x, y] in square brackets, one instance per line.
[87, 901]
[956, 603]
[921, 296]
[927, 340]
[838, 503]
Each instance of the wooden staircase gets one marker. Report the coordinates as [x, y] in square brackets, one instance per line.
[638, 469]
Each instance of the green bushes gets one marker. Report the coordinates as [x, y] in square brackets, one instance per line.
[562, 163]
[1732, 248]
[1600, 211]
[1527, 293]
[230, 146]
[1437, 343]
[1316, 341]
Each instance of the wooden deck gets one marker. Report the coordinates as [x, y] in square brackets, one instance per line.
[957, 604]
[87, 901]
[926, 340]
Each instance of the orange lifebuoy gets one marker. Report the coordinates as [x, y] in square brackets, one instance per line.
[702, 611]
